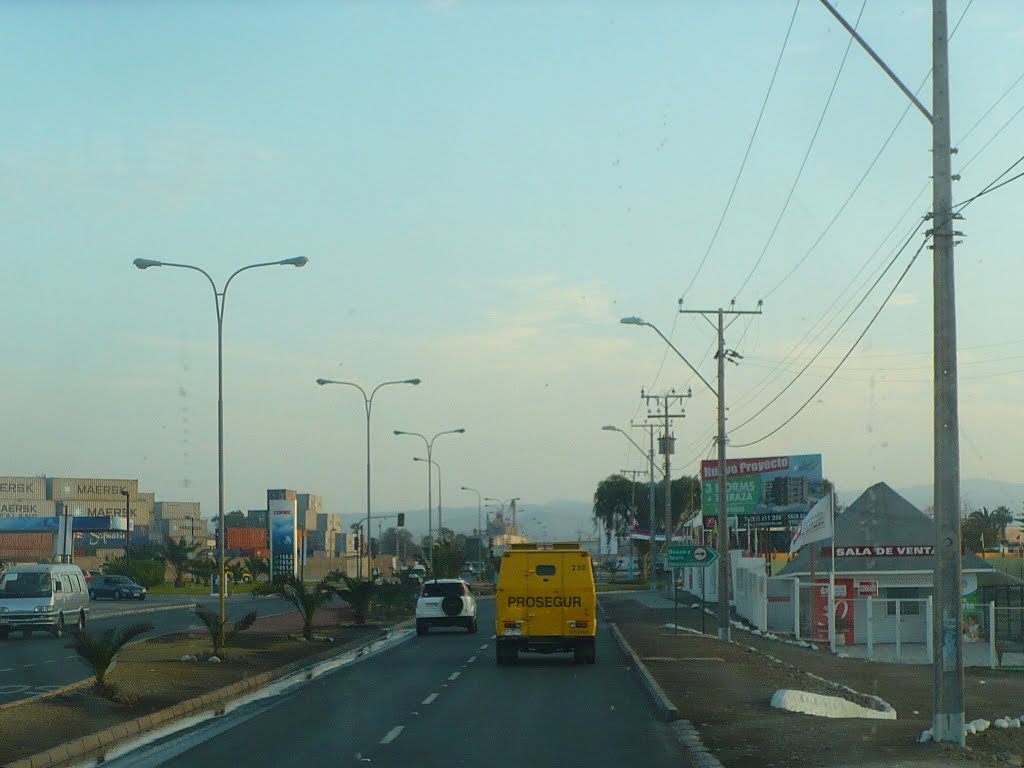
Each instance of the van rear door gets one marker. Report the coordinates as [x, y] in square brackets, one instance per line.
[545, 589]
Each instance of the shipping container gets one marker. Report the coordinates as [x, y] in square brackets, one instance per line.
[176, 510]
[247, 539]
[27, 508]
[23, 488]
[102, 508]
[15, 546]
[90, 489]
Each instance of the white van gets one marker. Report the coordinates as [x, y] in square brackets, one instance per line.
[52, 598]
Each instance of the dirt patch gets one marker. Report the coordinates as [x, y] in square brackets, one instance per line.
[150, 676]
[725, 690]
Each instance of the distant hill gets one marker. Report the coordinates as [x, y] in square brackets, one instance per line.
[975, 493]
[558, 519]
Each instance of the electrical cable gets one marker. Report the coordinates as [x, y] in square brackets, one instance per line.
[746, 154]
[807, 155]
[837, 330]
[992, 186]
[849, 352]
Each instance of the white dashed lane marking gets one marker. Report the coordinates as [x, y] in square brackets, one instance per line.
[7, 669]
[454, 675]
[429, 699]
[471, 659]
[483, 647]
[392, 734]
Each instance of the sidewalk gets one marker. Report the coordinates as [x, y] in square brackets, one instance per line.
[725, 690]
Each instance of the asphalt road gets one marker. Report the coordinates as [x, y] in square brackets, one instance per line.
[439, 700]
[43, 663]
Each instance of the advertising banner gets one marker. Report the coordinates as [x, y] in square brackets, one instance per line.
[762, 492]
[283, 537]
[87, 542]
[28, 524]
[844, 610]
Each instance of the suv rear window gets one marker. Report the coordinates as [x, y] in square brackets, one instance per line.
[442, 590]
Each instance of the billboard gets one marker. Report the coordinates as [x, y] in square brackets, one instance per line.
[767, 492]
[283, 539]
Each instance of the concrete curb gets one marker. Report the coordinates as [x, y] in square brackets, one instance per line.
[139, 611]
[86, 746]
[666, 709]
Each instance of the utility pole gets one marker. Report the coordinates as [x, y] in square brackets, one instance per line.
[947, 609]
[666, 447]
[722, 355]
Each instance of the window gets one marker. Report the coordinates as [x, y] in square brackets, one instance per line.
[65, 583]
[903, 593]
[545, 570]
[449, 589]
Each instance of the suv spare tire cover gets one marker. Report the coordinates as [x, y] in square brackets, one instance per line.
[452, 605]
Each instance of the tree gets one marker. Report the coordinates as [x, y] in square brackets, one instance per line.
[619, 502]
[257, 566]
[201, 569]
[236, 519]
[178, 554]
[1002, 518]
[220, 633]
[307, 600]
[448, 560]
[358, 593]
[236, 571]
[149, 573]
[100, 651]
[398, 541]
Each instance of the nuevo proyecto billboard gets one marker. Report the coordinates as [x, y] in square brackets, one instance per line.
[767, 492]
[283, 537]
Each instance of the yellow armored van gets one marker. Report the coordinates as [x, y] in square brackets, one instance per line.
[546, 602]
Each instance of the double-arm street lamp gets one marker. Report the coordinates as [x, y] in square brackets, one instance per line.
[429, 443]
[368, 402]
[219, 297]
[479, 532]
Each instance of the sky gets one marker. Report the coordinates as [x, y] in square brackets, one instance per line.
[483, 189]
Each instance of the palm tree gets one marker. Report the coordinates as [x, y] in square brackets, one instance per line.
[358, 593]
[220, 633]
[179, 555]
[257, 566]
[100, 651]
[1001, 519]
[307, 600]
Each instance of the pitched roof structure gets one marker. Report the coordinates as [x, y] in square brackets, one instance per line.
[879, 517]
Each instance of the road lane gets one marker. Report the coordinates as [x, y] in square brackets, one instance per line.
[439, 700]
[43, 663]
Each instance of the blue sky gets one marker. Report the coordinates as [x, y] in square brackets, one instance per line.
[483, 190]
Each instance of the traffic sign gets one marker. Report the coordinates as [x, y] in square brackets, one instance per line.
[682, 555]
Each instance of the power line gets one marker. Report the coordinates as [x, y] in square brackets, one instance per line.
[807, 155]
[837, 330]
[848, 353]
[746, 154]
[993, 185]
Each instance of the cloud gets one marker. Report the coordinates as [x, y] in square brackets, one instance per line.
[903, 300]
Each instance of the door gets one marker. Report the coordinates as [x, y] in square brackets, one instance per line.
[544, 595]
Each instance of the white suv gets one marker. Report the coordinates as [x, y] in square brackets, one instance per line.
[445, 603]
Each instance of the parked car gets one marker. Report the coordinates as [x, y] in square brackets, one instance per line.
[42, 597]
[115, 588]
[445, 603]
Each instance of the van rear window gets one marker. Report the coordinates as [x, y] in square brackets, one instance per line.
[545, 570]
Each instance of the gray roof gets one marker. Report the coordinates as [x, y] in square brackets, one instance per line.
[879, 517]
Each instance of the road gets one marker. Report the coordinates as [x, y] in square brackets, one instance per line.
[43, 663]
[439, 700]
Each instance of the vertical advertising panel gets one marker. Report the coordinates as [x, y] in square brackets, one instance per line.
[283, 540]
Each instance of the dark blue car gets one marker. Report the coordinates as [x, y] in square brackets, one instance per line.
[116, 588]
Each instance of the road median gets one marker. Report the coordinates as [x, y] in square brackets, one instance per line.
[155, 687]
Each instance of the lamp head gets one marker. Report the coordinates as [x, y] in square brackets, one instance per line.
[414, 382]
[147, 263]
[633, 320]
[298, 261]
[321, 382]
[610, 428]
[460, 430]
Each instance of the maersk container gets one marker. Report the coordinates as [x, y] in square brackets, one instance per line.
[90, 488]
[27, 508]
[23, 488]
[25, 546]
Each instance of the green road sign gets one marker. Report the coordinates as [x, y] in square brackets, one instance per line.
[682, 555]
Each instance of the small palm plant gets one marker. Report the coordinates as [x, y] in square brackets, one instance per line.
[359, 594]
[306, 599]
[220, 632]
[100, 651]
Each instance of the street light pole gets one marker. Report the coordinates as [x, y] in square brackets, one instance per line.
[219, 299]
[436, 466]
[368, 403]
[479, 533]
[128, 527]
[429, 443]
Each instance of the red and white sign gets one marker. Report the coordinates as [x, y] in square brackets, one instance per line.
[843, 609]
[887, 550]
[867, 588]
